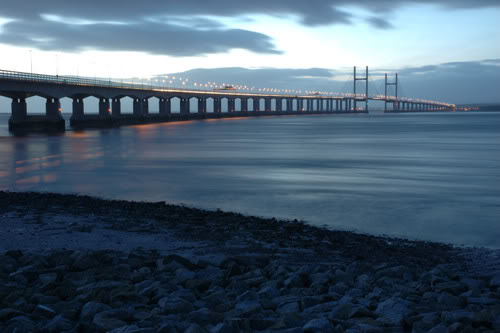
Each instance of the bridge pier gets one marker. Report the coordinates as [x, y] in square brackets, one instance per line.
[337, 105]
[78, 108]
[267, 104]
[137, 107]
[116, 107]
[289, 105]
[202, 105]
[300, 105]
[184, 106]
[244, 104]
[256, 104]
[104, 109]
[320, 105]
[19, 109]
[230, 105]
[165, 106]
[217, 105]
[279, 105]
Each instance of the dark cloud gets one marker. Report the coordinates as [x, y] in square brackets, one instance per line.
[150, 37]
[380, 23]
[179, 28]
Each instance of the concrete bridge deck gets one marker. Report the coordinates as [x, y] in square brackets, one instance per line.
[19, 86]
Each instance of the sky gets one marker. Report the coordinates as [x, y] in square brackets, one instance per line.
[447, 50]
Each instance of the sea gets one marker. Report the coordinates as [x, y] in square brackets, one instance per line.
[425, 176]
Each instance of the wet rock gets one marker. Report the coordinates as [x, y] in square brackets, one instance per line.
[44, 311]
[318, 325]
[131, 329]
[223, 328]
[58, 324]
[175, 305]
[439, 329]
[204, 317]
[111, 319]
[194, 328]
[90, 309]
[393, 310]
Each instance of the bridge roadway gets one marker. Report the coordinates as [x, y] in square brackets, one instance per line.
[19, 86]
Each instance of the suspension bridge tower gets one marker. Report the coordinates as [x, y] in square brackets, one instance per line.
[356, 79]
[395, 104]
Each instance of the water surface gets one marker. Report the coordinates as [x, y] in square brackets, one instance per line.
[424, 176]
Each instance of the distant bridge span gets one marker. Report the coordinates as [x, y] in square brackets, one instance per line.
[19, 86]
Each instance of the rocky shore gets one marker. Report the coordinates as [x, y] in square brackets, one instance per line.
[80, 264]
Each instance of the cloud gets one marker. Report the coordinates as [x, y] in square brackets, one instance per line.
[380, 23]
[179, 28]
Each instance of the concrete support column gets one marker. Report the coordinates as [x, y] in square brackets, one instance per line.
[320, 105]
[336, 105]
[244, 104]
[230, 105]
[217, 105]
[202, 105]
[279, 104]
[104, 109]
[19, 109]
[289, 105]
[256, 104]
[53, 108]
[165, 106]
[308, 105]
[267, 104]
[116, 107]
[350, 104]
[145, 106]
[78, 108]
[137, 107]
[184, 105]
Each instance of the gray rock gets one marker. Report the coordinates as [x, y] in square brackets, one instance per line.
[269, 292]
[294, 281]
[318, 325]
[111, 319]
[90, 309]
[20, 324]
[495, 281]
[48, 277]
[223, 328]
[288, 307]
[132, 329]
[204, 317]
[58, 324]
[450, 300]
[439, 329]
[44, 311]
[341, 312]
[393, 310]
[175, 305]
[194, 328]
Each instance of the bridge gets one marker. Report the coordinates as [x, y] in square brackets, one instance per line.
[19, 86]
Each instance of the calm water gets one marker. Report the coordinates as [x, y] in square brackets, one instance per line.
[424, 176]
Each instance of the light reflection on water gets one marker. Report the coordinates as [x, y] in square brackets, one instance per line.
[432, 176]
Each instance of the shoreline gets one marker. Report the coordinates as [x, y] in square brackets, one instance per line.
[266, 274]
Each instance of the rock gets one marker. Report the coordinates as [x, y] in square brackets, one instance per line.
[341, 312]
[439, 329]
[175, 305]
[194, 328]
[318, 325]
[204, 317]
[58, 324]
[7, 314]
[288, 307]
[132, 329]
[110, 319]
[450, 300]
[90, 309]
[223, 328]
[269, 292]
[294, 281]
[20, 324]
[247, 308]
[44, 311]
[393, 310]
[48, 277]
[495, 281]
